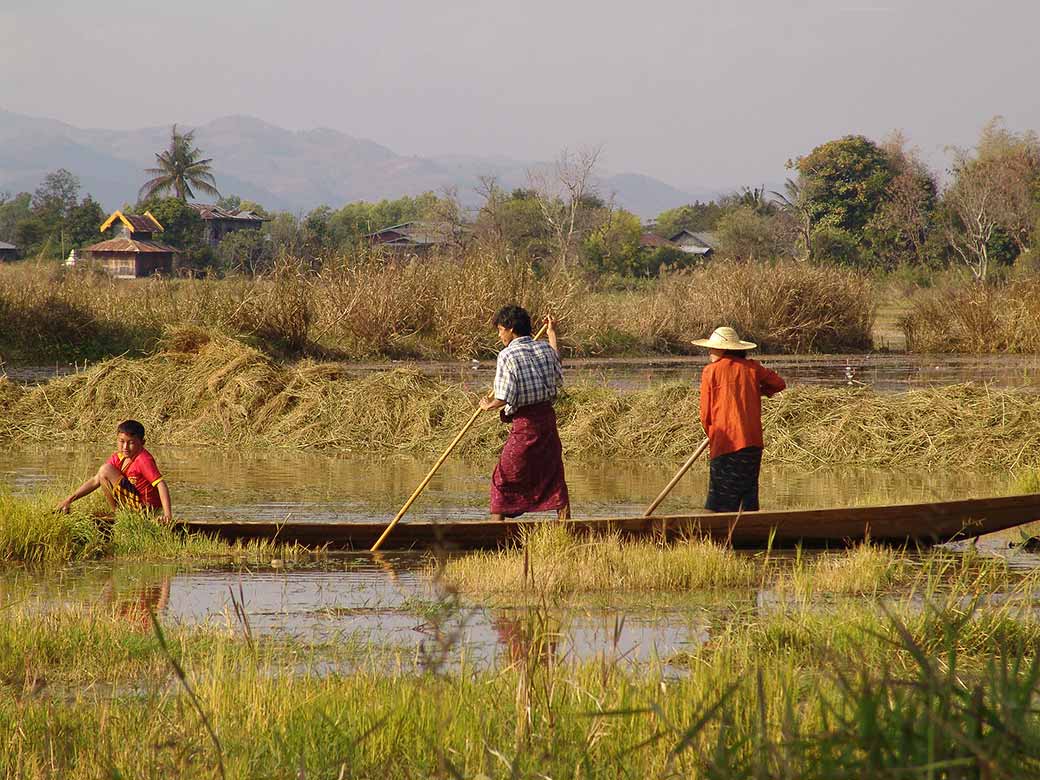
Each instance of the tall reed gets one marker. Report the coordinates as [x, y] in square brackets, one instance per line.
[434, 307]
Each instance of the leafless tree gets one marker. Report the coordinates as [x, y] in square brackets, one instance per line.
[488, 218]
[562, 193]
[992, 189]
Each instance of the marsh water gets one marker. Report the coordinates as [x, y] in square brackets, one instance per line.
[884, 371]
[390, 600]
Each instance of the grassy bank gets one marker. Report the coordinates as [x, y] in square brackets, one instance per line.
[213, 391]
[433, 308]
[920, 692]
[31, 531]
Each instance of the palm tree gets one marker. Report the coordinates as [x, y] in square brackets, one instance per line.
[794, 203]
[179, 169]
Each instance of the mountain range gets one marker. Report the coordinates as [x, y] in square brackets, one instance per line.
[293, 170]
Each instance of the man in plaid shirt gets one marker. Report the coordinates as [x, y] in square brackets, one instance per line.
[529, 476]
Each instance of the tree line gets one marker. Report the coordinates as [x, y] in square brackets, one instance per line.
[850, 201]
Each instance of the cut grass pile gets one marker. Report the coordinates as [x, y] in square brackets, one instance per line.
[207, 390]
[436, 307]
[31, 531]
[920, 692]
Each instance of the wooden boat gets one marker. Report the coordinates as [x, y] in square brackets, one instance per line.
[902, 524]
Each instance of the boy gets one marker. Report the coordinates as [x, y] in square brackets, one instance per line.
[732, 386]
[529, 475]
[130, 479]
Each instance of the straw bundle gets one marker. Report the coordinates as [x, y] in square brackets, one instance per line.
[228, 394]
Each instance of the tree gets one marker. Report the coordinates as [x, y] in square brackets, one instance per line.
[746, 234]
[56, 196]
[898, 231]
[83, 222]
[844, 182]
[179, 168]
[246, 251]
[796, 215]
[183, 229]
[693, 217]
[614, 247]
[53, 202]
[14, 211]
[992, 196]
[565, 196]
[513, 219]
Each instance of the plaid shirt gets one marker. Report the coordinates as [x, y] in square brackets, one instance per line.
[528, 372]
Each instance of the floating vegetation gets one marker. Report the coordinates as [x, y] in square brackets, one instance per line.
[210, 390]
[552, 561]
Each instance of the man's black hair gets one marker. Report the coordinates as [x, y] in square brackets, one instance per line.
[735, 353]
[131, 428]
[515, 318]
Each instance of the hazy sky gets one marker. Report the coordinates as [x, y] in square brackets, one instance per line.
[700, 94]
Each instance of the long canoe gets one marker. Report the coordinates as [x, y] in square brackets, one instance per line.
[901, 524]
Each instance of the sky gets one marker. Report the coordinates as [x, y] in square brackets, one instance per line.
[702, 94]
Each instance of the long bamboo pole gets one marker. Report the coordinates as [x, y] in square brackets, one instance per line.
[675, 480]
[426, 480]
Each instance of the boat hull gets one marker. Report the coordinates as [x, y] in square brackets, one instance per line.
[902, 524]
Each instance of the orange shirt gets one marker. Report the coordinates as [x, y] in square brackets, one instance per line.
[731, 402]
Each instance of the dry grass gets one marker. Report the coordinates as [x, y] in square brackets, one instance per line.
[212, 390]
[972, 317]
[433, 307]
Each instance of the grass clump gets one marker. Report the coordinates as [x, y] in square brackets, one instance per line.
[32, 532]
[552, 561]
[971, 317]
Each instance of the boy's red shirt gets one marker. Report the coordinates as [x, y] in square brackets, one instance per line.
[731, 402]
[143, 475]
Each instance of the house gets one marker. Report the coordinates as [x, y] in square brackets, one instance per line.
[416, 237]
[219, 222]
[133, 252]
[8, 251]
[703, 244]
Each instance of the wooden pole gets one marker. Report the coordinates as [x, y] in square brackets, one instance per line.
[426, 480]
[675, 480]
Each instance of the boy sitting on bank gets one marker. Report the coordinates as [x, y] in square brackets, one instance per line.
[129, 479]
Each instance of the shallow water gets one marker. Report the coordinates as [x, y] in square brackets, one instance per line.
[885, 371]
[386, 599]
[273, 485]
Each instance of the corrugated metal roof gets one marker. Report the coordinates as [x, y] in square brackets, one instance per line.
[129, 245]
[5, 245]
[209, 211]
[702, 239]
[417, 233]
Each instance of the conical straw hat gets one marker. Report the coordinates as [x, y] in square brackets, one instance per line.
[724, 338]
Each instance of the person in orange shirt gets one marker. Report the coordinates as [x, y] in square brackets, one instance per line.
[732, 386]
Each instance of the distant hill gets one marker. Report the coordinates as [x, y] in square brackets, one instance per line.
[282, 169]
